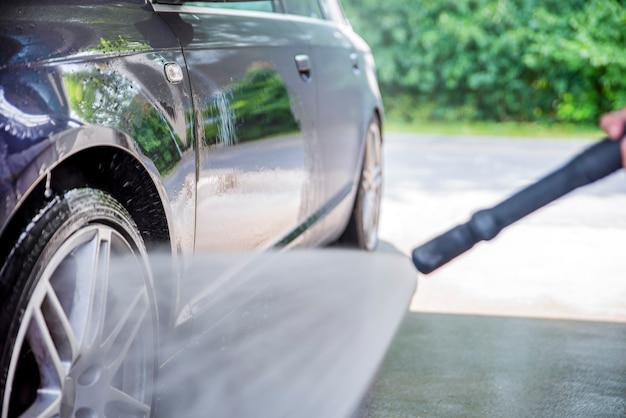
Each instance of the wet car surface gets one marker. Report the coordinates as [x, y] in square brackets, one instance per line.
[192, 126]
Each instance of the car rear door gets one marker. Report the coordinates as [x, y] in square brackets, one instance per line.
[255, 113]
[343, 110]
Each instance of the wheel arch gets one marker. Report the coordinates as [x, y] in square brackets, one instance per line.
[100, 158]
[121, 174]
[374, 113]
[348, 205]
[380, 115]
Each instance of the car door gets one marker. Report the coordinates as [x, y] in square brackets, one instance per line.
[343, 110]
[255, 111]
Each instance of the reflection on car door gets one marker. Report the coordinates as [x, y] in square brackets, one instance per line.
[254, 115]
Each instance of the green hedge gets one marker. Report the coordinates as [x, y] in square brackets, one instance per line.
[500, 60]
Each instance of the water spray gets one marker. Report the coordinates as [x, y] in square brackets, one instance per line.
[596, 162]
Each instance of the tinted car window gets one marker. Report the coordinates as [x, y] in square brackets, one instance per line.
[308, 8]
[255, 5]
[333, 11]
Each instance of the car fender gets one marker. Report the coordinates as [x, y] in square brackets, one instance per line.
[36, 165]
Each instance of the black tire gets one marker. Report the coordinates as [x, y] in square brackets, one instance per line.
[362, 229]
[78, 336]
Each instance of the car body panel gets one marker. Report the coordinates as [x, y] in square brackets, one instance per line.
[343, 70]
[52, 104]
[255, 117]
[107, 94]
[249, 150]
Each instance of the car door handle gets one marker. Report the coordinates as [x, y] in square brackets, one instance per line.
[303, 64]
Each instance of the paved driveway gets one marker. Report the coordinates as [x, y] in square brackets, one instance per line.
[532, 323]
[443, 365]
[564, 261]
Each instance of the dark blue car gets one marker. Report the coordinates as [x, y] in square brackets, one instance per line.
[133, 125]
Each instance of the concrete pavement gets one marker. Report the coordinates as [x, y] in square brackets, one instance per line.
[444, 365]
[532, 323]
[563, 261]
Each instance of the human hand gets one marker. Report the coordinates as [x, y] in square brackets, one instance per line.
[614, 124]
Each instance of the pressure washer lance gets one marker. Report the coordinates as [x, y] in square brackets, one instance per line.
[596, 162]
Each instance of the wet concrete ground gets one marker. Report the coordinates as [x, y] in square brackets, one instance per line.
[532, 323]
[443, 365]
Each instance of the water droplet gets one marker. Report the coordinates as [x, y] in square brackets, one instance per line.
[48, 191]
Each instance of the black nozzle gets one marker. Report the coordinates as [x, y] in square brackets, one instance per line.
[596, 162]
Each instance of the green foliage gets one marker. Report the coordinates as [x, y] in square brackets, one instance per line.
[119, 45]
[108, 99]
[518, 60]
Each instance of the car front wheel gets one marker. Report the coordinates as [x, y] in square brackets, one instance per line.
[78, 328]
